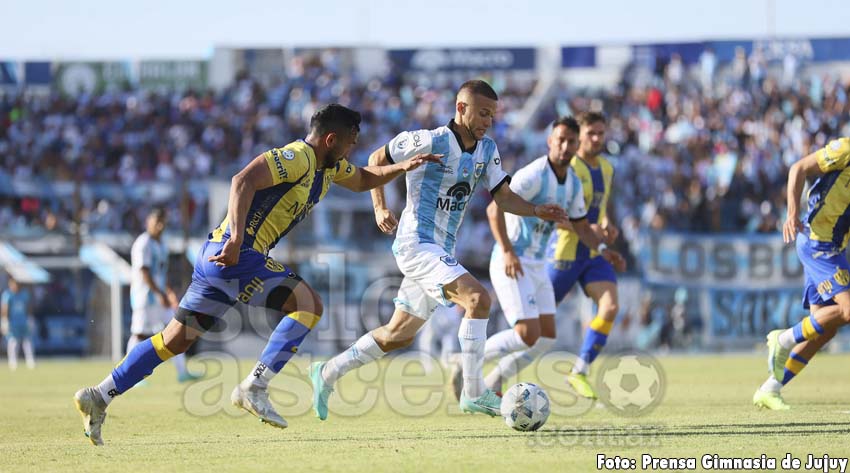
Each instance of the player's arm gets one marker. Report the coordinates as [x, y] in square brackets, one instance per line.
[512, 203]
[4, 316]
[382, 172]
[257, 175]
[592, 240]
[496, 217]
[158, 291]
[809, 166]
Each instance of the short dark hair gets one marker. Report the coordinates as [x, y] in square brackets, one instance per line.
[335, 118]
[158, 213]
[589, 118]
[479, 87]
[568, 122]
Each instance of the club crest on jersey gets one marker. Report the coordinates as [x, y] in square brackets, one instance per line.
[288, 155]
[479, 170]
[448, 260]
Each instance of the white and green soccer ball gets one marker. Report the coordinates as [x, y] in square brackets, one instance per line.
[525, 407]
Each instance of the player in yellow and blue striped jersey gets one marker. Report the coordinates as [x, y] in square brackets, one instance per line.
[571, 261]
[821, 240]
[271, 195]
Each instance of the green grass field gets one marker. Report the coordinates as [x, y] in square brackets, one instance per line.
[170, 427]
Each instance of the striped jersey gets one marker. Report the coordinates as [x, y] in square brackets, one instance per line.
[438, 193]
[828, 217]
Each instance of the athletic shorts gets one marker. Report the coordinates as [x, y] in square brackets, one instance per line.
[525, 297]
[826, 274]
[427, 268]
[214, 289]
[564, 274]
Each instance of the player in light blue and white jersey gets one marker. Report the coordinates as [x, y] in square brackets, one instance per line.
[152, 301]
[518, 263]
[437, 197]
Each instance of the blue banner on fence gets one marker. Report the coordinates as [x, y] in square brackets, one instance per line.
[8, 75]
[38, 73]
[578, 56]
[815, 50]
[464, 59]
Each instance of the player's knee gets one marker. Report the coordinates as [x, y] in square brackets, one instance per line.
[610, 310]
[530, 338]
[845, 313]
[479, 303]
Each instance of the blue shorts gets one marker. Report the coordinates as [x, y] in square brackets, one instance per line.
[214, 290]
[19, 331]
[564, 274]
[827, 274]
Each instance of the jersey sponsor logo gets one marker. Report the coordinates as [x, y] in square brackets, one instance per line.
[543, 226]
[273, 265]
[278, 165]
[253, 287]
[402, 143]
[842, 276]
[825, 287]
[288, 155]
[448, 260]
[531, 300]
[456, 199]
[417, 140]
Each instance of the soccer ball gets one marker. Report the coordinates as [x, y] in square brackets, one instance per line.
[631, 386]
[525, 407]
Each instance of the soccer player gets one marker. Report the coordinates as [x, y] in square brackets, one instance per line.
[570, 260]
[15, 322]
[150, 297]
[271, 195]
[821, 246]
[518, 264]
[437, 197]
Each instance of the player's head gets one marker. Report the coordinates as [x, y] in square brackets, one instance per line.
[155, 223]
[563, 140]
[13, 284]
[335, 128]
[592, 135]
[476, 107]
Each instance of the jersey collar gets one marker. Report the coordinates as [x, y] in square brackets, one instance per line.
[552, 167]
[451, 126]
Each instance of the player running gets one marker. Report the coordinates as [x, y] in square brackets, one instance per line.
[821, 247]
[437, 197]
[570, 260]
[150, 297]
[518, 264]
[271, 195]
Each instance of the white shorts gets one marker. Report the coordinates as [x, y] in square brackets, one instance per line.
[426, 268]
[526, 297]
[150, 320]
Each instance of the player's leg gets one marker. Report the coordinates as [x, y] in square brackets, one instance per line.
[413, 308]
[139, 363]
[12, 352]
[468, 293]
[830, 278]
[164, 316]
[599, 282]
[29, 356]
[303, 309]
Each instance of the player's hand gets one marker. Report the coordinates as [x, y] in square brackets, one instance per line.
[4, 327]
[615, 258]
[419, 160]
[386, 220]
[162, 298]
[611, 234]
[552, 213]
[513, 267]
[229, 255]
[173, 301]
[791, 227]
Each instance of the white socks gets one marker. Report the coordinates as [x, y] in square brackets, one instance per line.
[786, 338]
[515, 362]
[472, 336]
[580, 367]
[107, 389]
[502, 343]
[364, 350]
[259, 377]
[771, 385]
[12, 352]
